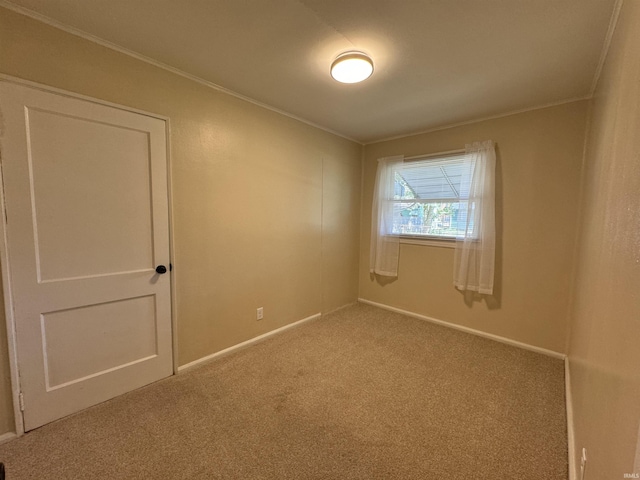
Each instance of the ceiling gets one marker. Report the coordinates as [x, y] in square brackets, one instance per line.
[437, 62]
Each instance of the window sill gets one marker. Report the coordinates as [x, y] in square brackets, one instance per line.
[428, 241]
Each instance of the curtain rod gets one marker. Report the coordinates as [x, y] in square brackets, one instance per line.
[439, 154]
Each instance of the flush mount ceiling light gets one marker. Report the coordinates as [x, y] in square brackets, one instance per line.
[351, 67]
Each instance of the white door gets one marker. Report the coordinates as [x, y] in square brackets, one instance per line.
[86, 224]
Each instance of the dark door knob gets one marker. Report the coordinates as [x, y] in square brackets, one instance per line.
[161, 269]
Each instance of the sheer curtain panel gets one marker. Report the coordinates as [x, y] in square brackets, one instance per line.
[385, 245]
[474, 262]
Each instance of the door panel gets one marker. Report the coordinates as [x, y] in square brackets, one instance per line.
[76, 345]
[86, 222]
[89, 193]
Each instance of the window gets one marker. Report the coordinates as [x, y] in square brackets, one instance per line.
[438, 197]
[430, 197]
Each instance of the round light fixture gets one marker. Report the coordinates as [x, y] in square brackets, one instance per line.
[351, 67]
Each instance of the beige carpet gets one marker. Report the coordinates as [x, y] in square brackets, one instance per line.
[360, 394]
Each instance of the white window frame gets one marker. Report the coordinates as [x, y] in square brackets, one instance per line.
[431, 240]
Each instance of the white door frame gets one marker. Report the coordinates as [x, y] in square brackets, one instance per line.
[4, 253]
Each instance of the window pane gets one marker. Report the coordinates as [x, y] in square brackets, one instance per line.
[439, 180]
[434, 219]
[430, 197]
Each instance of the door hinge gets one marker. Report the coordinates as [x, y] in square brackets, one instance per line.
[21, 401]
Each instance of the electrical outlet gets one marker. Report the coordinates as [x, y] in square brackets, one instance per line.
[583, 463]
[259, 313]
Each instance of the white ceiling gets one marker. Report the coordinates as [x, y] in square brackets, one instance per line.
[437, 62]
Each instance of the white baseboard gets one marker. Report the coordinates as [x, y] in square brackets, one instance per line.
[571, 442]
[5, 437]
[246, 344]
[472, 331]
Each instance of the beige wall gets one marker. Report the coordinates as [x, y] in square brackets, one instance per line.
[538, 163]
[266, 208]
[340, 247]
[604, 349]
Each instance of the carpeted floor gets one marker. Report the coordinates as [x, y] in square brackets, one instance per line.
[359, 394]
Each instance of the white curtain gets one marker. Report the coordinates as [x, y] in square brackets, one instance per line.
[385, 246]
[474, 263]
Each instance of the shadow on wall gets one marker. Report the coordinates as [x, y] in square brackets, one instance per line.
[494, 301]
[382, 280]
